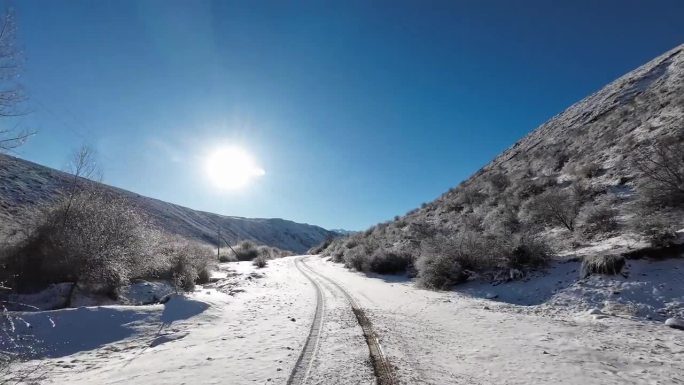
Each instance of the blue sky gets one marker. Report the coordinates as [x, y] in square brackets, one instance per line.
[357, 110]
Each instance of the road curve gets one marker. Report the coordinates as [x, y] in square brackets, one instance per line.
[302, 368]
[381, 366]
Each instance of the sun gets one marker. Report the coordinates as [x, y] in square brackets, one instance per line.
[231, 168]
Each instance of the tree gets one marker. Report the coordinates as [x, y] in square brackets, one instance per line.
[83, 167]
[557, 206]
[12, 94]
[662, 165]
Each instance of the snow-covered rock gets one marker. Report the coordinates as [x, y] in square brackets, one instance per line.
[56, 296]
[676, 323]
[145, 292]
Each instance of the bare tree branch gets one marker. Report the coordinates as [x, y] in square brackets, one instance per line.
[12, 95]
[662, 165]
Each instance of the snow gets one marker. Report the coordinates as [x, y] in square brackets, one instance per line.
[558, 333]
[451, 337]
[146, 292]
[54, 297]
[207, 337]
[675, 323]
[645, 289]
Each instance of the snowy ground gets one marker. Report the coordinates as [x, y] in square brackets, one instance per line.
[453, 338]
[250, 329]
[252, 336]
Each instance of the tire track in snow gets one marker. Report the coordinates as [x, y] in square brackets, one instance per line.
[300, 372]
[381, 366]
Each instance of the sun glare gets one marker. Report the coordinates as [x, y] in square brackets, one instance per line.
[231, 168]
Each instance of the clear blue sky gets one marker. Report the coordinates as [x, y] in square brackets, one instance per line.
[357, 110]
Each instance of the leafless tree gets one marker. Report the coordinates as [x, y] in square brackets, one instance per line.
[662, 164]
[557, 206]
[83, 169]
[83, 164]
[12, 95]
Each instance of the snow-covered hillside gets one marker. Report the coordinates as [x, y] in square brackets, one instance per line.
[607, 169]
[25, 185]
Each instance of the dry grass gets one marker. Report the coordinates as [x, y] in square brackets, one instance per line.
[602, 264]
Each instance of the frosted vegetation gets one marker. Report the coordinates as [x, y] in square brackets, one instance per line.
[611, 166]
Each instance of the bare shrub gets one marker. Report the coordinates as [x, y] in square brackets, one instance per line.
[589, 170]
[602, 264]
[12, 95]
[471, 196]
[98, 244]
[351, 243]
[556, 207]
[527, 250]
[246, 251]
[356, 258]
[359, 256]
[471, 222]
[498, 181]
[438, 271]
[601, 219]
[662, 165]
[531, 187]
[227, 256]
[185, 263]
[502, 220]
[655, 228]
[320, 247]
[270, 252]
[388, 262]
[261, 261]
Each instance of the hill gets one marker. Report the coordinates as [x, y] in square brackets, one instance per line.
[25, 185]
[606, 176]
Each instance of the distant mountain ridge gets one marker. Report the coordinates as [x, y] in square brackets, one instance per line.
[25, 185]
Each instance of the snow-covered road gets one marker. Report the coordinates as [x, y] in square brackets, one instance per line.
[448, 338]
[257, 335]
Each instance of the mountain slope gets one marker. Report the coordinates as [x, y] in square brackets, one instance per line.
[25, 185]
[585, 158]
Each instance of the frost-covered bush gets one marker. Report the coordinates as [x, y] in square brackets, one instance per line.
[185, 263]
[556, 206]
[662, 165]
[261, 261]
[227, 256]
[439, 271]
[657, 230]
[318, 249]
[246, 251]
[356, 258]
[527, 250]
[600, 219]
[91, 238]
[498, 182]
[388, 262]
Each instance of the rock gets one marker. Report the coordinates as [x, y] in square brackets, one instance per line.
[491, 295]
[600, 316]
[293, 319]
[594, 311]
[675, 323]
